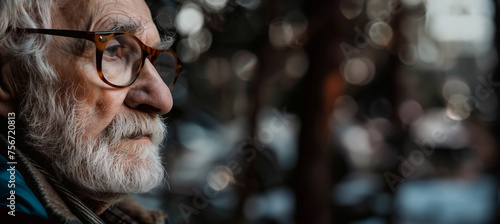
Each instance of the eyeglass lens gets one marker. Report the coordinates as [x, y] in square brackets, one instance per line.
[166, 65]
[122, 61]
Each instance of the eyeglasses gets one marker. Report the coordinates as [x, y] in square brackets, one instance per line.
[120, 56]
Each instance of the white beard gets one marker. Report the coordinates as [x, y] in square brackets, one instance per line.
[109, 164]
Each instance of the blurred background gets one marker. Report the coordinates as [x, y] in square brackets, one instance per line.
[337, 111]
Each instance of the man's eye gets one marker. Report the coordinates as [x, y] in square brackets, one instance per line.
[114, 51]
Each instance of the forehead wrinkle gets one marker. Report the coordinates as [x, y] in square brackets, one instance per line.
[72, 15]
[111, 18]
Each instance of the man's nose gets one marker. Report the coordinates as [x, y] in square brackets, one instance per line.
[149, 93]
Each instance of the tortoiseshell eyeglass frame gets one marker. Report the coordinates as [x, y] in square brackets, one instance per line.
[100, 39]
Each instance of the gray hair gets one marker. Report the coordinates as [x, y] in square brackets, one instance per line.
[27, 50]
[35, 79]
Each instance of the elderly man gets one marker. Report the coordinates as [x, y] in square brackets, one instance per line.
[83, 84]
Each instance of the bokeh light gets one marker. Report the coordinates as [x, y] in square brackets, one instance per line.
[249, 4]
[360, 151]
[409, 111]
[244, 64]
[279, 33]
[220, 177]
[412, 3]
[297, 64]
[457, 107]
[345, 109]
[215, 5]
[287, 31]
[351, 8]
[381, 33]
[455, 87]
[358, 71]
[408, 54]
[201, 40]
[188, 52]
[189, 20]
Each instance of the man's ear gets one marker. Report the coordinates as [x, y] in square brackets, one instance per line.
[7, 94]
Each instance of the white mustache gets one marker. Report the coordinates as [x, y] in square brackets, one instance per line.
[123, 127]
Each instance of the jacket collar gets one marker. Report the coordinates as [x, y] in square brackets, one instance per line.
[60, 203]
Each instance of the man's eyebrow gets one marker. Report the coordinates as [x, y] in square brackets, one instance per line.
[134, 27]
[129, 26]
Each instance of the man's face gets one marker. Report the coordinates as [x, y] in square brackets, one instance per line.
[101, 100]
[108, 138]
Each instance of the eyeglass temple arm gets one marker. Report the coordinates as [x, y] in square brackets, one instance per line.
[64, 33]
